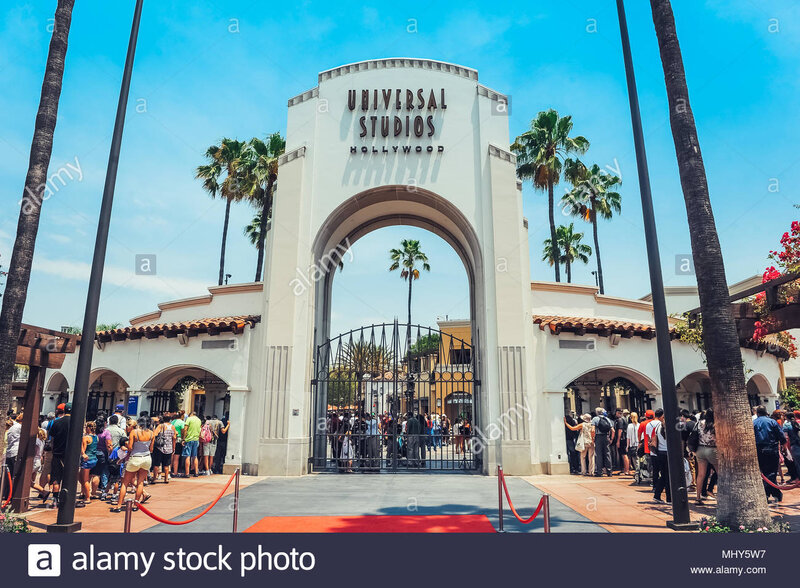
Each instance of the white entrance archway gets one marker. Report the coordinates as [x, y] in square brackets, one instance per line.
[379, 143]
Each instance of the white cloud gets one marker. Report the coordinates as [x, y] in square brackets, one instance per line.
[174, 287]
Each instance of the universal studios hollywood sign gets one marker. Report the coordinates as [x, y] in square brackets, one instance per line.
[396, 114]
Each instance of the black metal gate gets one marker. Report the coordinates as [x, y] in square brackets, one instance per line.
[389, 398]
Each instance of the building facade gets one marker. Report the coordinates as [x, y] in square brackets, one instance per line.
[374, 144]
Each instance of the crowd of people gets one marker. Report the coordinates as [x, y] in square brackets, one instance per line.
[357, 439]
[604, 445]
[121, 454]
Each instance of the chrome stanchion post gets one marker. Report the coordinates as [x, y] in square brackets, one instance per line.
[500, 497]
[546, 499]
[128, 515]
[236, 501]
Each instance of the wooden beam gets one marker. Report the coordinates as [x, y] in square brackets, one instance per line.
[54, 345]
[38, 358]
[756, 289]
[23, 465]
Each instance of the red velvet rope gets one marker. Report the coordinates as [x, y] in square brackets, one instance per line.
[191, 520]
[511, 505]
[10, 489]
[782, 487]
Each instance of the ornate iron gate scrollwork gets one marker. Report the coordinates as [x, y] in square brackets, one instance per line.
[390, 399]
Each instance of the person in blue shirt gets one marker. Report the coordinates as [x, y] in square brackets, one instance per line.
[769, 438]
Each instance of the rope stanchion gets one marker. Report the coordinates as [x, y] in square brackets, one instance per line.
[10, 488]
[500, 498]
[236, 501]
[544, 504]
[781, 487]
[155, 517]
[128, 515]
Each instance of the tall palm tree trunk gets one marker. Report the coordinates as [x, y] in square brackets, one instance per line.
[741, 499]
[262, 231]
[556, 254]
[569, 272]
[597, 253]
[408, 342]
[408, 334]
[19, 270]
[224, 240]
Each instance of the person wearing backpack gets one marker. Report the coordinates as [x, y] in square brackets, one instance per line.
[792, 429]
[702, 443]
[163, 449]
[657, 441]
[207, 439]
[619, 444]
[602, 442]
[191, 441]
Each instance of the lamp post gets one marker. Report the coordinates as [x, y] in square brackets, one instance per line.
[680, 504]
[67, 495]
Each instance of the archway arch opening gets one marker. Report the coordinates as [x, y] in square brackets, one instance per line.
[609, 387]
[759, 391]
[431, 369]
[189, 388]
[107, 389]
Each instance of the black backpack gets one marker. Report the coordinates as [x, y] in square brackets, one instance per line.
[603, 425]
[693, 441]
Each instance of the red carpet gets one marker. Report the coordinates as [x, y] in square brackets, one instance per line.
[375, 524]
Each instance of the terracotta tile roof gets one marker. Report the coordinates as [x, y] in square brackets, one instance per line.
[212, 326]
[605, 327]
[593, 325]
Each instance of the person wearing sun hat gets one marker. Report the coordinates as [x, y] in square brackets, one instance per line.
[584, 444]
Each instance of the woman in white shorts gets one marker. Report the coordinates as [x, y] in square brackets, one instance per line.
[41, 437]
[140, 446]
[706, 453]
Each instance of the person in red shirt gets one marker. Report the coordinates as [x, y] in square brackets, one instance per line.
[649, 415]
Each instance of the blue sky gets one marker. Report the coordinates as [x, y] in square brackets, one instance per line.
[197, 81]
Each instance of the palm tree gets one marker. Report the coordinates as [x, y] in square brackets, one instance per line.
[359, 359]
[19, 271]
[253, 233]
[223, 159]
[741, 499]
[591, 197]
[253, 230]
[409, 258]
[259, 169]
[540, 153]
[570, 247]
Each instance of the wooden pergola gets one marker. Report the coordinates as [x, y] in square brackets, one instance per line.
[39, 349]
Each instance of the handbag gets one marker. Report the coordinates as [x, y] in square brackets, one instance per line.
[580, 444]
[653, 441]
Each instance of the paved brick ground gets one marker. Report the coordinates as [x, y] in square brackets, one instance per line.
[169, 501]
[578, 504]
[619, 506]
